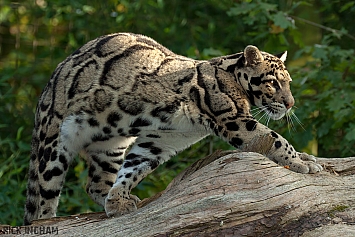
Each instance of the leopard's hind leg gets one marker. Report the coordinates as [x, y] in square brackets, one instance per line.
[54, 145]
[149, 151]
[104, 160]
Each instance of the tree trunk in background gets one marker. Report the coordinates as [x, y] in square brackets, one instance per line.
[236, 194]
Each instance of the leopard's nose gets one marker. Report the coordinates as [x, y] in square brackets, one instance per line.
[289, 103]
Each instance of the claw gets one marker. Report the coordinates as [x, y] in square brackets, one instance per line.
[117, 205]
[307, 157]
[314, 168]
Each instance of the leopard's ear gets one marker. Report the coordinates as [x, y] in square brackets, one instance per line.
[252, 56]
[282, 56]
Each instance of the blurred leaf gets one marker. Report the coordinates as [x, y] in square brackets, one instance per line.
[211, 52]
[350, 135]
[347, 5]
[282, 20]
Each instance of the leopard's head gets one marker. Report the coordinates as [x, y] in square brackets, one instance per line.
[267, 82]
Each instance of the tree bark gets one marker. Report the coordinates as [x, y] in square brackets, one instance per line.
[235, 194]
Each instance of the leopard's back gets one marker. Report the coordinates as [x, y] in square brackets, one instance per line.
[123, 75]
[110, 66]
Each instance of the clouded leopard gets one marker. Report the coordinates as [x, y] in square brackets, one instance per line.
[126, 89]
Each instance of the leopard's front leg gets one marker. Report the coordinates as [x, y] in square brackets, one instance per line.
[242, 131]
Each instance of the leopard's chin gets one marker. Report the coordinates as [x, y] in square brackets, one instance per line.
[277, 114]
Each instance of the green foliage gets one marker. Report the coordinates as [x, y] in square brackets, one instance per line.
[36, 35]
[327, 97]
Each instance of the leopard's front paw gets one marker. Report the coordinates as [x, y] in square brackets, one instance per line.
[306, 167]
[310, 161]
[305, 164]
[314, 167]
[117, 205]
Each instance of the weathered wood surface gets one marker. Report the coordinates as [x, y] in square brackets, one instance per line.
[236, 194]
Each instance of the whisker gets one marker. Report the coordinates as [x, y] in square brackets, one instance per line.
[257, 113]
[268, 120]
[289, 126]
[298, 120]
[255, 109]
[252, 110]
[258, 110]
[269, 113]
[293, 127]
[263, 116]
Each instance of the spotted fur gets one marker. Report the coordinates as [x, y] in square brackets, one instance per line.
[126, 89]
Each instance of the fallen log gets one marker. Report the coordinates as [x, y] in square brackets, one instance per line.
[233, 193]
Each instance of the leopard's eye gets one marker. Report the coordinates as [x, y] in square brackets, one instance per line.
[275, 84]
